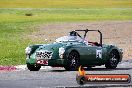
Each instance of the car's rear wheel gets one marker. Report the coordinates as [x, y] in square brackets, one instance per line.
[73, 61]
[34, 67]
[113, 60]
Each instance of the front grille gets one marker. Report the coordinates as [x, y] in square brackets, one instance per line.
[44, 54]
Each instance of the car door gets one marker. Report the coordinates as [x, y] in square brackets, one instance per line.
[91, 55]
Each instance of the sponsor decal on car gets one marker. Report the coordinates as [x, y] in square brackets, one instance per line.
[99, 53]
[43, 62]
[44, 54]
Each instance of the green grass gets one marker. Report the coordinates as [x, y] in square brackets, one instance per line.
[60, 15]
[65, 3]
[15, 26]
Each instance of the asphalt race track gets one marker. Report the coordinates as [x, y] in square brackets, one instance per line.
[58, 77]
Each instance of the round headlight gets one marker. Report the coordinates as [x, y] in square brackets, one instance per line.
[61, 52]
[27, 50]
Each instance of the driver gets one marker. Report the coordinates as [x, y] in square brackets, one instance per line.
[73, 33]
[75, 36]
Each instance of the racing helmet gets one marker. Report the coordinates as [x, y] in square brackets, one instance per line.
[73, 33]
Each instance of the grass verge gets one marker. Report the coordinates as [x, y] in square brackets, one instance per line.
[14, 24]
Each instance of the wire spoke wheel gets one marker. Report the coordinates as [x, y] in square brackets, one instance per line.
[73, 61]
[113, 61]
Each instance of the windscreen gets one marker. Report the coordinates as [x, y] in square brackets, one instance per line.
[69, 38]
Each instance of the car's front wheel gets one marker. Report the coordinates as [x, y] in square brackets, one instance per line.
[34, 67]
[113, 60]
[73, 61]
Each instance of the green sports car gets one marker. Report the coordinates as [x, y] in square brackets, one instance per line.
[71, 51]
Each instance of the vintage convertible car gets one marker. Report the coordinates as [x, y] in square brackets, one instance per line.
[72, 51]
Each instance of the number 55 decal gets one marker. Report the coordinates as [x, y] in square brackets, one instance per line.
[99, 53]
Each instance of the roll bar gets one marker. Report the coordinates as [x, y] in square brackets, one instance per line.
[86, 31]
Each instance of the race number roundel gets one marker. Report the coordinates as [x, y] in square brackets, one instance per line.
[99, 53]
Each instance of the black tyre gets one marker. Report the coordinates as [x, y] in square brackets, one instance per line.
[33, 67]
[113, 60]
[73, 61]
